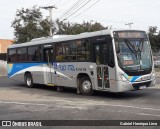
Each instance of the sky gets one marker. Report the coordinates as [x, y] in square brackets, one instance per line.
[115, 13]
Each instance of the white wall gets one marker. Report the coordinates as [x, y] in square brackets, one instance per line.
[3, 67]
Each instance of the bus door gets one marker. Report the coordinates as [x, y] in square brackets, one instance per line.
[101, 58]
[48, 58]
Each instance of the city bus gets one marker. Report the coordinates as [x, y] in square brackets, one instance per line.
[106, 60]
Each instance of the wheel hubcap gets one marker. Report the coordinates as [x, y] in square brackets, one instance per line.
[86, 86]
[29, 81]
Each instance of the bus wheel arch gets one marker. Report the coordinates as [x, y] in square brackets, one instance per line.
[84, 84]
[28, 79]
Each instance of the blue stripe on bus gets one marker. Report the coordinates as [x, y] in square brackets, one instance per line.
[132, 78]
[14, 68]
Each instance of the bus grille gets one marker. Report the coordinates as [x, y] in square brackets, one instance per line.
[137, 86]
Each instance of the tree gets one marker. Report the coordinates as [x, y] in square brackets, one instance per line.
[152, 30]
[154, 39]
[76, 28]
[29, 24]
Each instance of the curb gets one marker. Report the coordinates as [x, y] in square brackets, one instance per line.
[155, 87]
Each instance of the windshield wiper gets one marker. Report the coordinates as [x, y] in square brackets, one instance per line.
[130, 46]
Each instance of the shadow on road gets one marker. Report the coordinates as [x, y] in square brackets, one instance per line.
[71, 93]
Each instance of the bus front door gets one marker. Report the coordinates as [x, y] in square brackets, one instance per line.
[101, 58]
[49, 73]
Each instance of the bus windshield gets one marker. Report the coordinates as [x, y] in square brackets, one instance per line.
[134, 54]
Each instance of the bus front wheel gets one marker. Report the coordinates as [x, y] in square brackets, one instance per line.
[86, 86]
[29, 80]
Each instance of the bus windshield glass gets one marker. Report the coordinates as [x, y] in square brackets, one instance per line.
[133, 54]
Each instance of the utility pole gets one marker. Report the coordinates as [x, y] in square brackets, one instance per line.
[129, 24]
[50, 8]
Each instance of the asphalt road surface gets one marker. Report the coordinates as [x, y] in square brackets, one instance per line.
[44, 103]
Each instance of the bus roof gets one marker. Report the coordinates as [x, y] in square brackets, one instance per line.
[62, 38]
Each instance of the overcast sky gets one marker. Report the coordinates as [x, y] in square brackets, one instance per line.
[143, 13]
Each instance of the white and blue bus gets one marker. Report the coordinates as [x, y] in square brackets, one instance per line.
[106, 60]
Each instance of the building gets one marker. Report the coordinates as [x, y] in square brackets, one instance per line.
[4, 43]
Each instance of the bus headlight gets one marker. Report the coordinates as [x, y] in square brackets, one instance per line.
[123, 77]
[153, 75]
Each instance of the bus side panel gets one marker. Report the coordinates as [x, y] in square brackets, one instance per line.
[14, 72]
[47, 73]
[112, 79]
[18, 71]
[17, 77]
[67, 73]
[38, 77]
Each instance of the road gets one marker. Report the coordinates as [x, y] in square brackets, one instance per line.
[44, 103]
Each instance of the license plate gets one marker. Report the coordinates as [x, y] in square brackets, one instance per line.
[143, 87]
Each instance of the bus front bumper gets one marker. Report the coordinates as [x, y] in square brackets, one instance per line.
[125, 86]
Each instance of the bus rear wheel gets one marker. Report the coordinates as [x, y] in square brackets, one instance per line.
[86, 86]
[29, 80]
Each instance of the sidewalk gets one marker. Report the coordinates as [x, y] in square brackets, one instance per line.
[157, 74]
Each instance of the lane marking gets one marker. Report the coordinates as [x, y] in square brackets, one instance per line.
[142, 114]
[85, 108]
[19, 103]
[81, 106]
[134, 107]
[72, 107]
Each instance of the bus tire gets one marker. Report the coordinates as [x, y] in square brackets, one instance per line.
[85, 86]
[29, 81]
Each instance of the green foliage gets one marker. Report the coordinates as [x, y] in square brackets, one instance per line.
[154, 39]
[75, 28]
[28, 25]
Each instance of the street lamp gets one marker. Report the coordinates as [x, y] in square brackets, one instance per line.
[129, 24]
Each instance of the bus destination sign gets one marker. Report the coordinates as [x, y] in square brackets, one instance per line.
[131, 35]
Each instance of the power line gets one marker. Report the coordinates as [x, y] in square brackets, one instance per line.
[78, 9]
[86, 9]
[71, 8]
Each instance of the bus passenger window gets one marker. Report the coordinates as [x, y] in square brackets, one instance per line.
[59, 52]
[83, 50]
[33, 54]
[65, 50]
[77, 50]
[21, 54]
[12, 56]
